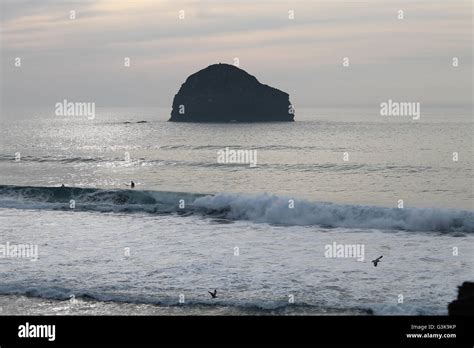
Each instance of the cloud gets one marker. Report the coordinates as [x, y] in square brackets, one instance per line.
[301, 55]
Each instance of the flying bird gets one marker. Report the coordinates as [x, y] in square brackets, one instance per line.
[213, 294]
[376, 261]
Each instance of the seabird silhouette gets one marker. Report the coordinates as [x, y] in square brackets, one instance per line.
[376, 261]
[213, 294]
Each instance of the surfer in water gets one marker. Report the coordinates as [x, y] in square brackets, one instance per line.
[132, 184]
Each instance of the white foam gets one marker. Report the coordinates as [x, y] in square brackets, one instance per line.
[276, 210]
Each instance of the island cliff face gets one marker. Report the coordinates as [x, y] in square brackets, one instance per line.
[225, 93]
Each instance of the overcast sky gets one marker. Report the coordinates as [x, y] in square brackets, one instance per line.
[83, 59]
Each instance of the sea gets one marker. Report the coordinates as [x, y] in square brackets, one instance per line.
[291, 232]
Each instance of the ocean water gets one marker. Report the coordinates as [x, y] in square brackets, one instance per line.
[258, 235]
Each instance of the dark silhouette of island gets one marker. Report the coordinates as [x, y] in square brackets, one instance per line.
[225, 93]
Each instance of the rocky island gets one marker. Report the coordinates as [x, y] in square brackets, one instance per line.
[226, 93]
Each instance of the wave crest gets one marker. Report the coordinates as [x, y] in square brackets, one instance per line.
[276, 210]
[261, 208]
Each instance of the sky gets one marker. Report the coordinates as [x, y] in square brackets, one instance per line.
[82, 59]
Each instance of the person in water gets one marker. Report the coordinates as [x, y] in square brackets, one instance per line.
[132, 184]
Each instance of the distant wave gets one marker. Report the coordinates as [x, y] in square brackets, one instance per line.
[262, 208]
[302, 167]
[54, 159]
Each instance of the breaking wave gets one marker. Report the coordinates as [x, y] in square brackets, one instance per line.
[262, 208]
[193, 305]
